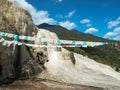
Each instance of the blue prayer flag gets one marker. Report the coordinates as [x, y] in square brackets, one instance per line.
[16, 37]
[73, 42]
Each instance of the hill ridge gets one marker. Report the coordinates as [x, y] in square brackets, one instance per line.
[107, 54]
[72, 34]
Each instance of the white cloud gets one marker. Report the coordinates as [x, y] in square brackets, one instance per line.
[67, 24]
[115, 23]
[59, 16]
[109, 34]
[117, 30]
[91, 30]
[70, 14]
[88, 25]
[116, 38]
[86, 22]
[115, 34]
[37, 16]
[59, 0]
[118, 18]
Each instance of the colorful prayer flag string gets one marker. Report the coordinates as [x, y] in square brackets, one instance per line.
[53, 41]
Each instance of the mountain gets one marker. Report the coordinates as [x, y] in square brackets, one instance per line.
[107, 54]
[63, 33]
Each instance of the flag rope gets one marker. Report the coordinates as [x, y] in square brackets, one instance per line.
[57, 42]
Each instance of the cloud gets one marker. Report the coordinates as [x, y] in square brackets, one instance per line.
[37, 16]
[59, 0]
[86, 22]
[70, 14]
[109, 34]
[114, 23]
[88, 25]
[67, 24]
[91, 30]
[115, 34]
[116, 38]
[59, 16]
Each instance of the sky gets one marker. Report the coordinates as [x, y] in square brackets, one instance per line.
[97, 17]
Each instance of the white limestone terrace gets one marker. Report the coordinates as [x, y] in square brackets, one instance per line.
[63, 66]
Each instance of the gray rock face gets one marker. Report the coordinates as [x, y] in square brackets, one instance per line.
[24, 62]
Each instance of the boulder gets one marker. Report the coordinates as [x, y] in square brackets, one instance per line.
[22, 61]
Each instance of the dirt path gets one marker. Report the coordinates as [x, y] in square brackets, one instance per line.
[44, 85]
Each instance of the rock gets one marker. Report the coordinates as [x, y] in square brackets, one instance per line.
[51, 64]
[68, 67]
[24, 62]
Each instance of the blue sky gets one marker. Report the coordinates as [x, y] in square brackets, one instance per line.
[97, 17]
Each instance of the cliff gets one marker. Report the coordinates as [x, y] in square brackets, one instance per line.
[21, 61]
